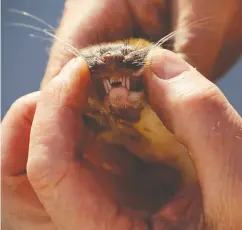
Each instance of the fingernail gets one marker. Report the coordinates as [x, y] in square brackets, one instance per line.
[166, 64]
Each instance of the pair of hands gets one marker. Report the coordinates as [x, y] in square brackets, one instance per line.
[42, 130]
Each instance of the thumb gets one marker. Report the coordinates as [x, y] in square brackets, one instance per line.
[200, 116]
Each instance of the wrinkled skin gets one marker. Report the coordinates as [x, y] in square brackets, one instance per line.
[59, 192]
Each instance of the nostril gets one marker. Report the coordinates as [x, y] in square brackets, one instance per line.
[109, 56]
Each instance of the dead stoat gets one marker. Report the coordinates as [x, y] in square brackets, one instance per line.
[118, 109]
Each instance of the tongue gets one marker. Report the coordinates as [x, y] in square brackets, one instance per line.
[119, 100]
[118, 95]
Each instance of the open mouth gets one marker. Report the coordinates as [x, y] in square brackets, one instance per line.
[124, 95]
[116, 82]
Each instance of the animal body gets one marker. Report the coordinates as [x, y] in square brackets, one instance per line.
[118, 109]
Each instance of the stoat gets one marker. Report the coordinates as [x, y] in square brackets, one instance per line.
[118, 108]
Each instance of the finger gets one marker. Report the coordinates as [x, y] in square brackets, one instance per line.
[204, 121]
[15, 132]
[59, 113]
[55, 135]
[70, 192]
[202, 25]
[101, 21]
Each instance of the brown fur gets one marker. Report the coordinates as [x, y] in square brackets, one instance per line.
[152, 142]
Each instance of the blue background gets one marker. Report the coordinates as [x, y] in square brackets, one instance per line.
[24, 58]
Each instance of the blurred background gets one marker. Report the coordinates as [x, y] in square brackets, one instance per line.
[24, 58]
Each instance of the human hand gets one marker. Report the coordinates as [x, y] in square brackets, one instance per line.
[212, 42]
[60, 192]
[197, 112]
[45, 185]
[27, 138]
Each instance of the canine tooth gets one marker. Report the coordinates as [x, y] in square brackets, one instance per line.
[123, 81]
[127, 81]
[108, 84]
[105, 85]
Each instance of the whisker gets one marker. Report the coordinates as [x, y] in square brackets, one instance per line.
[167, 37]
[21, 12]
[197, 23]
[26, 26]
[40, 37]
[172, 34]
[46, 32]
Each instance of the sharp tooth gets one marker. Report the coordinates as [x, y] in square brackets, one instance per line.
[109, 85]
[105, 85]
[127, 82]
[123, 81]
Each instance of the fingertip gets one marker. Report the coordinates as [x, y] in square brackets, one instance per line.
[77, 65]
[70, 87]
[76, 73]
[164, 70]
[166, 64]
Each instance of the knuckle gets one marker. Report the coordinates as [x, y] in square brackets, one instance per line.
[19, 104]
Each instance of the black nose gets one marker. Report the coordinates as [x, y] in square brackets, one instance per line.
[112, 57]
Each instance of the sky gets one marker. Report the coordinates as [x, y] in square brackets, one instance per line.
[24, 58]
